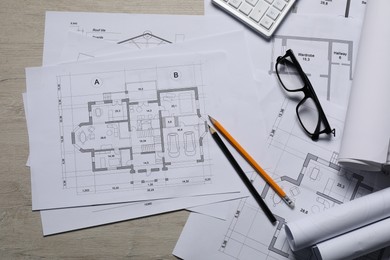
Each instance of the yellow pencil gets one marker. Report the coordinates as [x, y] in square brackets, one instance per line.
[252, 162]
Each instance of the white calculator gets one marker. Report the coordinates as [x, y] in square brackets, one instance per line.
[264, 16]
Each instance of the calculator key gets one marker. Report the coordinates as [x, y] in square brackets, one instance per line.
[235, 3]
[259, 11]
[252, 2]
[245, 8]
[280, 4]
[266, 22]
[273, 13]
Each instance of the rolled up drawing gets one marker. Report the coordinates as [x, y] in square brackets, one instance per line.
[338, 220]
[355, 243]
[366, 138]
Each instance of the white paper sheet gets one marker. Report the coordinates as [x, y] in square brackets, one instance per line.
[194, 235]
[243, 239]
[366, 142]
[68, 219]
[310, 173]
[306, 170]
[94, 171]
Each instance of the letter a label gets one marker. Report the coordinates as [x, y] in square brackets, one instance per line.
[97, 83]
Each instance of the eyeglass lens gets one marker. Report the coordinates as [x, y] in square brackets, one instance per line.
[309, 116]
[289, 75]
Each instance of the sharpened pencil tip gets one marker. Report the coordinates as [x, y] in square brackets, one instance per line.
[212, 130]
[211, 119]
[289, 202]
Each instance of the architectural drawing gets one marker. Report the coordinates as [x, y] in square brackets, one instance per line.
[142, 41]
[321, 183]
[315, 183]
[327, 63]
[342, 8]
[147, 126]
[146, 40]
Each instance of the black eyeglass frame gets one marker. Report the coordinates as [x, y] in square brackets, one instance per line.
[308, 92]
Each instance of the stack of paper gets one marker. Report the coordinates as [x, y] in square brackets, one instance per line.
[129, 127]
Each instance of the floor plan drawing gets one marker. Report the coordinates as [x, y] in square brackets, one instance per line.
[327, 63]
[325, 183]
[314, 182]
[139, 131]
[341, 8]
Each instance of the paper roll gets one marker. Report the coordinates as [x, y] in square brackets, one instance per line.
[365, 142]
[338, 220]
[355, 243]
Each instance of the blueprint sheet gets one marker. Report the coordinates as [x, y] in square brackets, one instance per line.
[55, 221]
[86, 25]
[124, 131]
[306, 170]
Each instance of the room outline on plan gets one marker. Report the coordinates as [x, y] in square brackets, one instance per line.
[326, 62]
[140, 134]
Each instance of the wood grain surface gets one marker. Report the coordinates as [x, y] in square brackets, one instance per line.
[21, 45]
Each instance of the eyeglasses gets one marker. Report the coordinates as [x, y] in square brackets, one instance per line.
[309, 110]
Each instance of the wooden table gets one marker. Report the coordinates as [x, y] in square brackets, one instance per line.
[21, 45]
